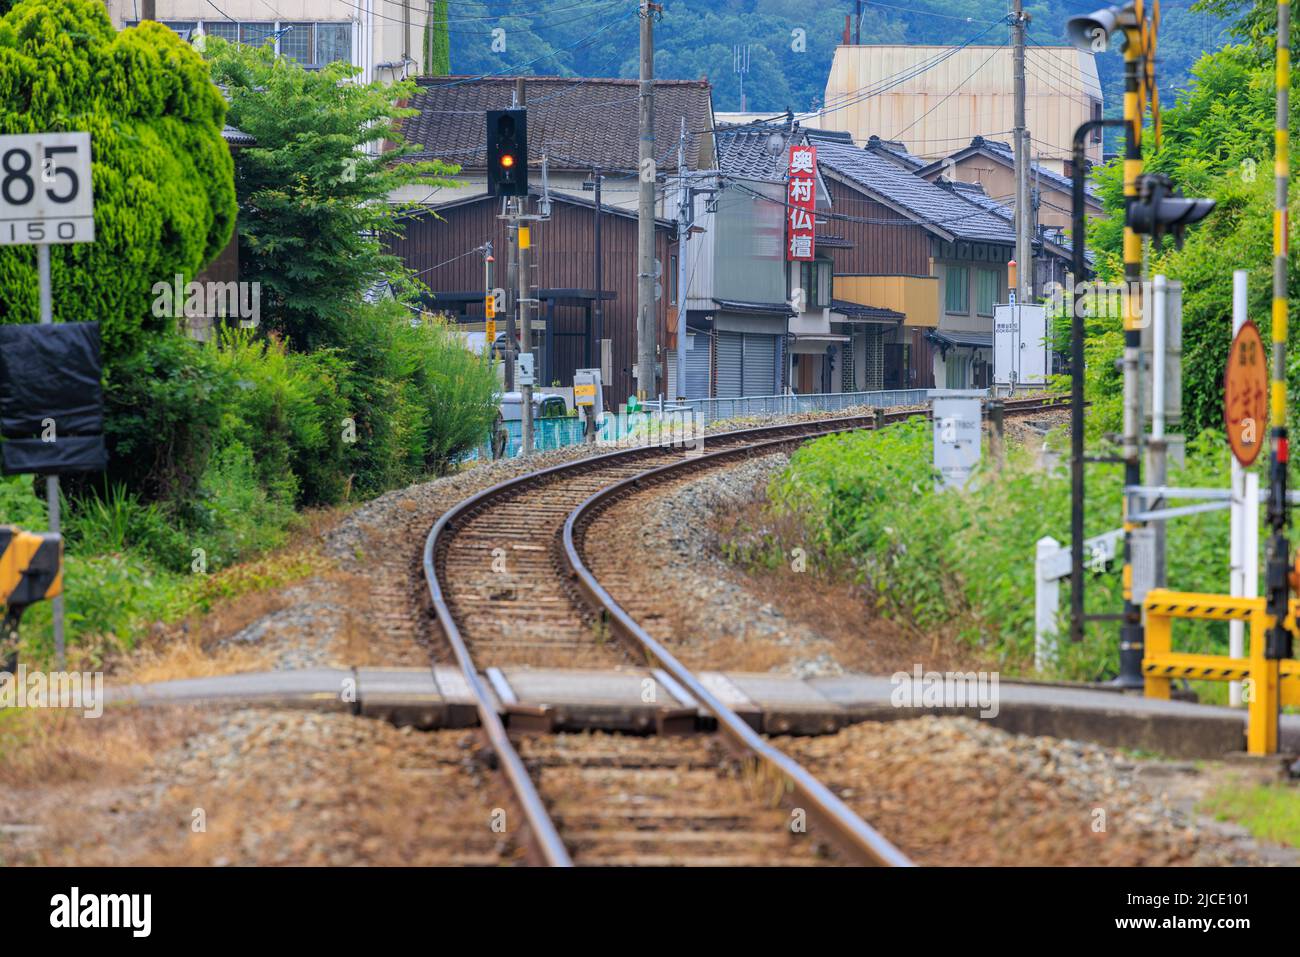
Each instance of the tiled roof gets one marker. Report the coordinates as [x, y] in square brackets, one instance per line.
[755, 308]
[974, 193]
[579, 123]
[936, 208]
[970, 340]
[859, 310]
[895, 150]
[756, 150]
[237, 137]
[1003, 153]
[1007, 155]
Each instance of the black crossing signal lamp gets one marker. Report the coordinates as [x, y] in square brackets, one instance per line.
[507, 152]
[1161, 209]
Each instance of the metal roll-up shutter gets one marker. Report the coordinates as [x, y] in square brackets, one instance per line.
[730, 346]
[759, 376]
[697, 368]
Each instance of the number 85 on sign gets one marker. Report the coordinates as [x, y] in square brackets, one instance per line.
[45, 189]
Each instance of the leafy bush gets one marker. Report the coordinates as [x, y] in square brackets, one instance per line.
[866, 508]
[459, 390]
[163, 410]
[233, 517]
[20, 503]
[287, 410]
[163, 177]
[120, 522]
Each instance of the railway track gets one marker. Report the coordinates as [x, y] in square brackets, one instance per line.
[510, 585]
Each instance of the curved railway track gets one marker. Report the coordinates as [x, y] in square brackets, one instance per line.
[510, 585]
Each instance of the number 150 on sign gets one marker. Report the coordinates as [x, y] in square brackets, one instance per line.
[45, 189]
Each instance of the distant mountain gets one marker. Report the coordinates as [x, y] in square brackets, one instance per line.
[790, 42]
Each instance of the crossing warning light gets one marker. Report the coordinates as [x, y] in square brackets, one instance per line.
[1160, 209]
[507, 152]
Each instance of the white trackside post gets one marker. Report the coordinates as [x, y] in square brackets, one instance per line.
[1244, 510]
[1047, 602]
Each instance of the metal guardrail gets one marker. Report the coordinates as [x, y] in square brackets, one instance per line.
[696, 414]
[716, 409]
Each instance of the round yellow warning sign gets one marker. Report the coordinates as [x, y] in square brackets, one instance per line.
[1245, 394]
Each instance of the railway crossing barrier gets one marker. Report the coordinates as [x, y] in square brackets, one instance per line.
[1269, 683]
[31, 570]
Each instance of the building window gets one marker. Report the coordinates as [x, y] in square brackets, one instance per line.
[225, 29]
[986, 291]
[333, 43]
[672, 279]
[815, 281]
[956, 290]
[311, 44]
[296, 42]
[1096, 115]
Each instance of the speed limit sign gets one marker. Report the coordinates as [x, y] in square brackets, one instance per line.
[45, 189]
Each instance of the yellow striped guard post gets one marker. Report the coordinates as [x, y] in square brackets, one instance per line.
[1269, 683]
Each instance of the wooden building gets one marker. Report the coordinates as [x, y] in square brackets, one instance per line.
[578, 130]
[446, 248]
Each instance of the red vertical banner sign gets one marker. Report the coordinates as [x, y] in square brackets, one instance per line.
[801, 200]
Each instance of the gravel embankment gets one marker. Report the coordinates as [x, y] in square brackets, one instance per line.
[254, 788]
[958, 792]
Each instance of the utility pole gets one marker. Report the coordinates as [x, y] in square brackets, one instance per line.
[646, 332]
[512, 282]
[598, 177]
[685, 213]
[523, 244]
[1025, 268]
[1278, 642]
[406, 35]
[1132, 634]
[148, 10]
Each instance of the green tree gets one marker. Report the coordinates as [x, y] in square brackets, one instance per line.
[163, 178]
[1217, 142]
[313, 200]
[437, 41]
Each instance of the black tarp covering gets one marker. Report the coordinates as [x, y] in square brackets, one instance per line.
[51, 372]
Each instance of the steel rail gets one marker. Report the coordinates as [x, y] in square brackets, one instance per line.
[542, 836]
[851, 832]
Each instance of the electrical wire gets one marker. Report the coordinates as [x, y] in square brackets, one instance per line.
[972, 73]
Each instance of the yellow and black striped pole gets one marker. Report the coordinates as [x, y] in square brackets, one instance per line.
[1278, 643]
[1131, 637]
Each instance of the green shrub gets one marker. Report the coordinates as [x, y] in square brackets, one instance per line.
[163, 176]
[459, 390]
[233, 517]
[20, 503]
[287, 410]
[163, 406]
[867, 509]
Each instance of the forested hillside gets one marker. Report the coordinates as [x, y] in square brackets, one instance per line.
[696, 37]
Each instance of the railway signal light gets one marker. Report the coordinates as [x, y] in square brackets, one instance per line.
[1160, 209]
[507, 152]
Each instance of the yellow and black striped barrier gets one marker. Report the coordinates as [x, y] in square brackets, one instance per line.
[1269, 683]
[31, 570]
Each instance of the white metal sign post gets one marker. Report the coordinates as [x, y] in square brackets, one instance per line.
[957, 434]
[45, 198]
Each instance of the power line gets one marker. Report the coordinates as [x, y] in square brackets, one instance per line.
[867, 92]
[949, 93]
[588, 5]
